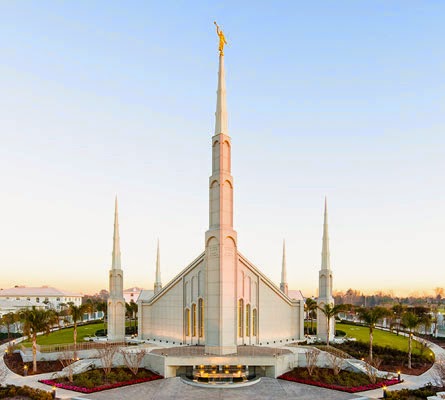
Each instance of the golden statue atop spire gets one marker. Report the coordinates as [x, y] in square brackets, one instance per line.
[222, 39]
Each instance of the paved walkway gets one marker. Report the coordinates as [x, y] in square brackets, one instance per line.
[173, 388]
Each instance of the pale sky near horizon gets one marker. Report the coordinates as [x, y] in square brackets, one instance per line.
[344, 99]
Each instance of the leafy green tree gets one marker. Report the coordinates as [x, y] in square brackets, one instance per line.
[330, 311]
[398, 310]
[410, 321]
[370, 316]
[311, 309]
[36, 320]
[76, 313]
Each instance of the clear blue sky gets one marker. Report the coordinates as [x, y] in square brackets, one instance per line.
[344, 99]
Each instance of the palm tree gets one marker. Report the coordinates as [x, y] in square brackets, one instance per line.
[330, 311]
[76, 313]
[102, 306]
[410, 321]
[8, 320]
[311, 308]
[34, 321]
[398, 310]
[370, 316]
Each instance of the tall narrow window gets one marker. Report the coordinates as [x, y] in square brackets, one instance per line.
[254, 322]
[240, 317]
[194, 320]
[201, 317]
[248, 320]
[187, 322]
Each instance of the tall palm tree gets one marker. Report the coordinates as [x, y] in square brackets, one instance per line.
[311, 308]
[330, 311]
[76, 313]
[34, 321]
[8, 320]
[410, 321]
[398, 310]
[370, 316]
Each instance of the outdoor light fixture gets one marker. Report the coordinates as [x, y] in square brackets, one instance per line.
[53, 393]
[385, 393]
[398, 376]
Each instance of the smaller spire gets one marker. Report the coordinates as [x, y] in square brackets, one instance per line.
[325, 256]
[283, 284]
[158, 283]
[116, 256]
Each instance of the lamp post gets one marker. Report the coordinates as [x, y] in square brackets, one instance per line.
[385, 393]
[399, 377]
[25, 370]
[53, 393]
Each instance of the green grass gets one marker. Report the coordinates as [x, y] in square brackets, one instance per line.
[381, 338]
[66, 335]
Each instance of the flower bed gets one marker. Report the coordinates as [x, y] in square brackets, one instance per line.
[293, 376]
[93, 385]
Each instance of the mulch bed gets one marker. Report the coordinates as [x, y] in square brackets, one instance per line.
[320, 378]
[65, 384]
[15, 363]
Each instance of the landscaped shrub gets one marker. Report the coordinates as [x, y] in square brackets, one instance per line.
[10, 391]
[416, 394]
[96, 380]
[345, 381]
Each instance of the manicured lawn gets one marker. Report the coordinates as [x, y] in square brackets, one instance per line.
[381, 338]
[66, 335]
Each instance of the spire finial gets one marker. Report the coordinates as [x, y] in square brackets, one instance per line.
[325, 257]
[116, 256]
[158, 283]
[221, 125]
[283, 284]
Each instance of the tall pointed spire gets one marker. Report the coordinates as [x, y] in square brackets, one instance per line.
[221, 125]
[325, 257]
[116, 257]
[158, 283]
[283, 284]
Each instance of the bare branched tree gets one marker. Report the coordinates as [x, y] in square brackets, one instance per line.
[106, 355]
[372, 368]
[311, 360]
[335, 363]
[67, 360]
[133, 359]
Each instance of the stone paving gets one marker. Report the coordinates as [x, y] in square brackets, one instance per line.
[174, 388]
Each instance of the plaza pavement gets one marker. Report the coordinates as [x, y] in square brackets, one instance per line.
[173, 388]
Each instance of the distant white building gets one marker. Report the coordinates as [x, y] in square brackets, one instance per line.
[44, 295]
[132, 294]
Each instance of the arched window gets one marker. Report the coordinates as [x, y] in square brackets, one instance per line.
[201, 317]
[187, 322]
[254, 322]
[248, 320]
[240, 317]
[194, 320]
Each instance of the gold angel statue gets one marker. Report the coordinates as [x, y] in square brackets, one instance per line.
[222, 38]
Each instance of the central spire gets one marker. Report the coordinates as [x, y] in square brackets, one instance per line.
[116, 257]
[325, 257]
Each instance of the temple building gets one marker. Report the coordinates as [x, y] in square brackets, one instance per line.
[221, 300]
